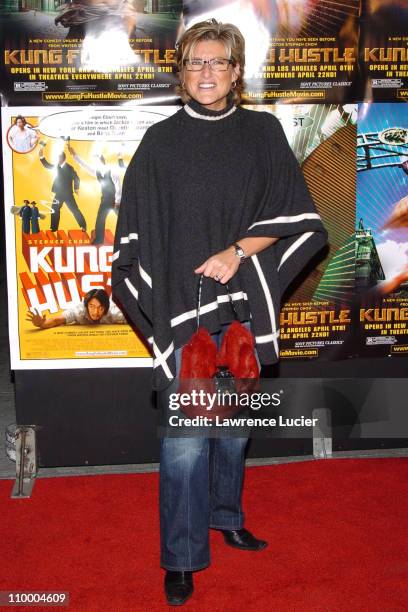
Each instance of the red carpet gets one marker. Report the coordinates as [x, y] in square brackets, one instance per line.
[337, 531]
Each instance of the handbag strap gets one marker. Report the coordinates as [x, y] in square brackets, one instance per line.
[199, 289]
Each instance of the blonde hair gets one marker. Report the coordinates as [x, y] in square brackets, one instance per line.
[211, 29]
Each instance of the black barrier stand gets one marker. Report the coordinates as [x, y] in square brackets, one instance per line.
[109, 417]
[350, 403]
[89, 417]
[104, 417]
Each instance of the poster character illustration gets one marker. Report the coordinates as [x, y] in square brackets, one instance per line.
[61, 212]
[90, 17]
[21, 136]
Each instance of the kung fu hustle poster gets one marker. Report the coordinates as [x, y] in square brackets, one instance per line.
[384, 51]
[86, 78]
[89, 51]
[111, 51]
[296, 52]
[381, 239]
[316, 315]
[62, 197]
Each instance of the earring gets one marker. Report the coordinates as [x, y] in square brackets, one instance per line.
[233, 84]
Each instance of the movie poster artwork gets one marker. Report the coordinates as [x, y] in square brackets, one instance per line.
[382, 230]
[116, 51]
[384, 51]
[316, 317]
[295, 50]
[64, 169]
[88, 51]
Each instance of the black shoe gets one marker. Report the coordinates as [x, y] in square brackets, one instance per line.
[243, 539]
[178, 587]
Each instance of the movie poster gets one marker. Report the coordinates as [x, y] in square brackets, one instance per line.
[64, 168]
[316, 318]
[384, 51]
[88, 51]
[382, 229]
[295, 50]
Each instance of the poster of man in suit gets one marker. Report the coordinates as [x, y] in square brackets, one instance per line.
[66, 182]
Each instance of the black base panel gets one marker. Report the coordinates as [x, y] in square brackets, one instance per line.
[109, 417]
[104, 417]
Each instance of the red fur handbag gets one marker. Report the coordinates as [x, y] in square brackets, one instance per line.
[234, 368]
[237, 352]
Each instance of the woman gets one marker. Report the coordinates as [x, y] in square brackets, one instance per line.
[22, 137]
[212, 190]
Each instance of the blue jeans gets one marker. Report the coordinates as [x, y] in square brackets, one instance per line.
[200, 488]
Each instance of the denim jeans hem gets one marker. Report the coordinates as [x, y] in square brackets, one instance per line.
[226, 527]
[193, 568]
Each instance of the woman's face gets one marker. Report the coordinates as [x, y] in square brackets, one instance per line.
[208, 87]
[20, 124]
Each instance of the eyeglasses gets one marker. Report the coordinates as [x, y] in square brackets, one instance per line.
[218, 64]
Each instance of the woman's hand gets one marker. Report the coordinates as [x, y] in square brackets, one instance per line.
[221, 267]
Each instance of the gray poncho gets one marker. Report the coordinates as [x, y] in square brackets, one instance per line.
[199, 181]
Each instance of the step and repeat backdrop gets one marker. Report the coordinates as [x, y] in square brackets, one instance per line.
[81, 81]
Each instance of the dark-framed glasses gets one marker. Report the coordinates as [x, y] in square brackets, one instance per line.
[218, 64]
